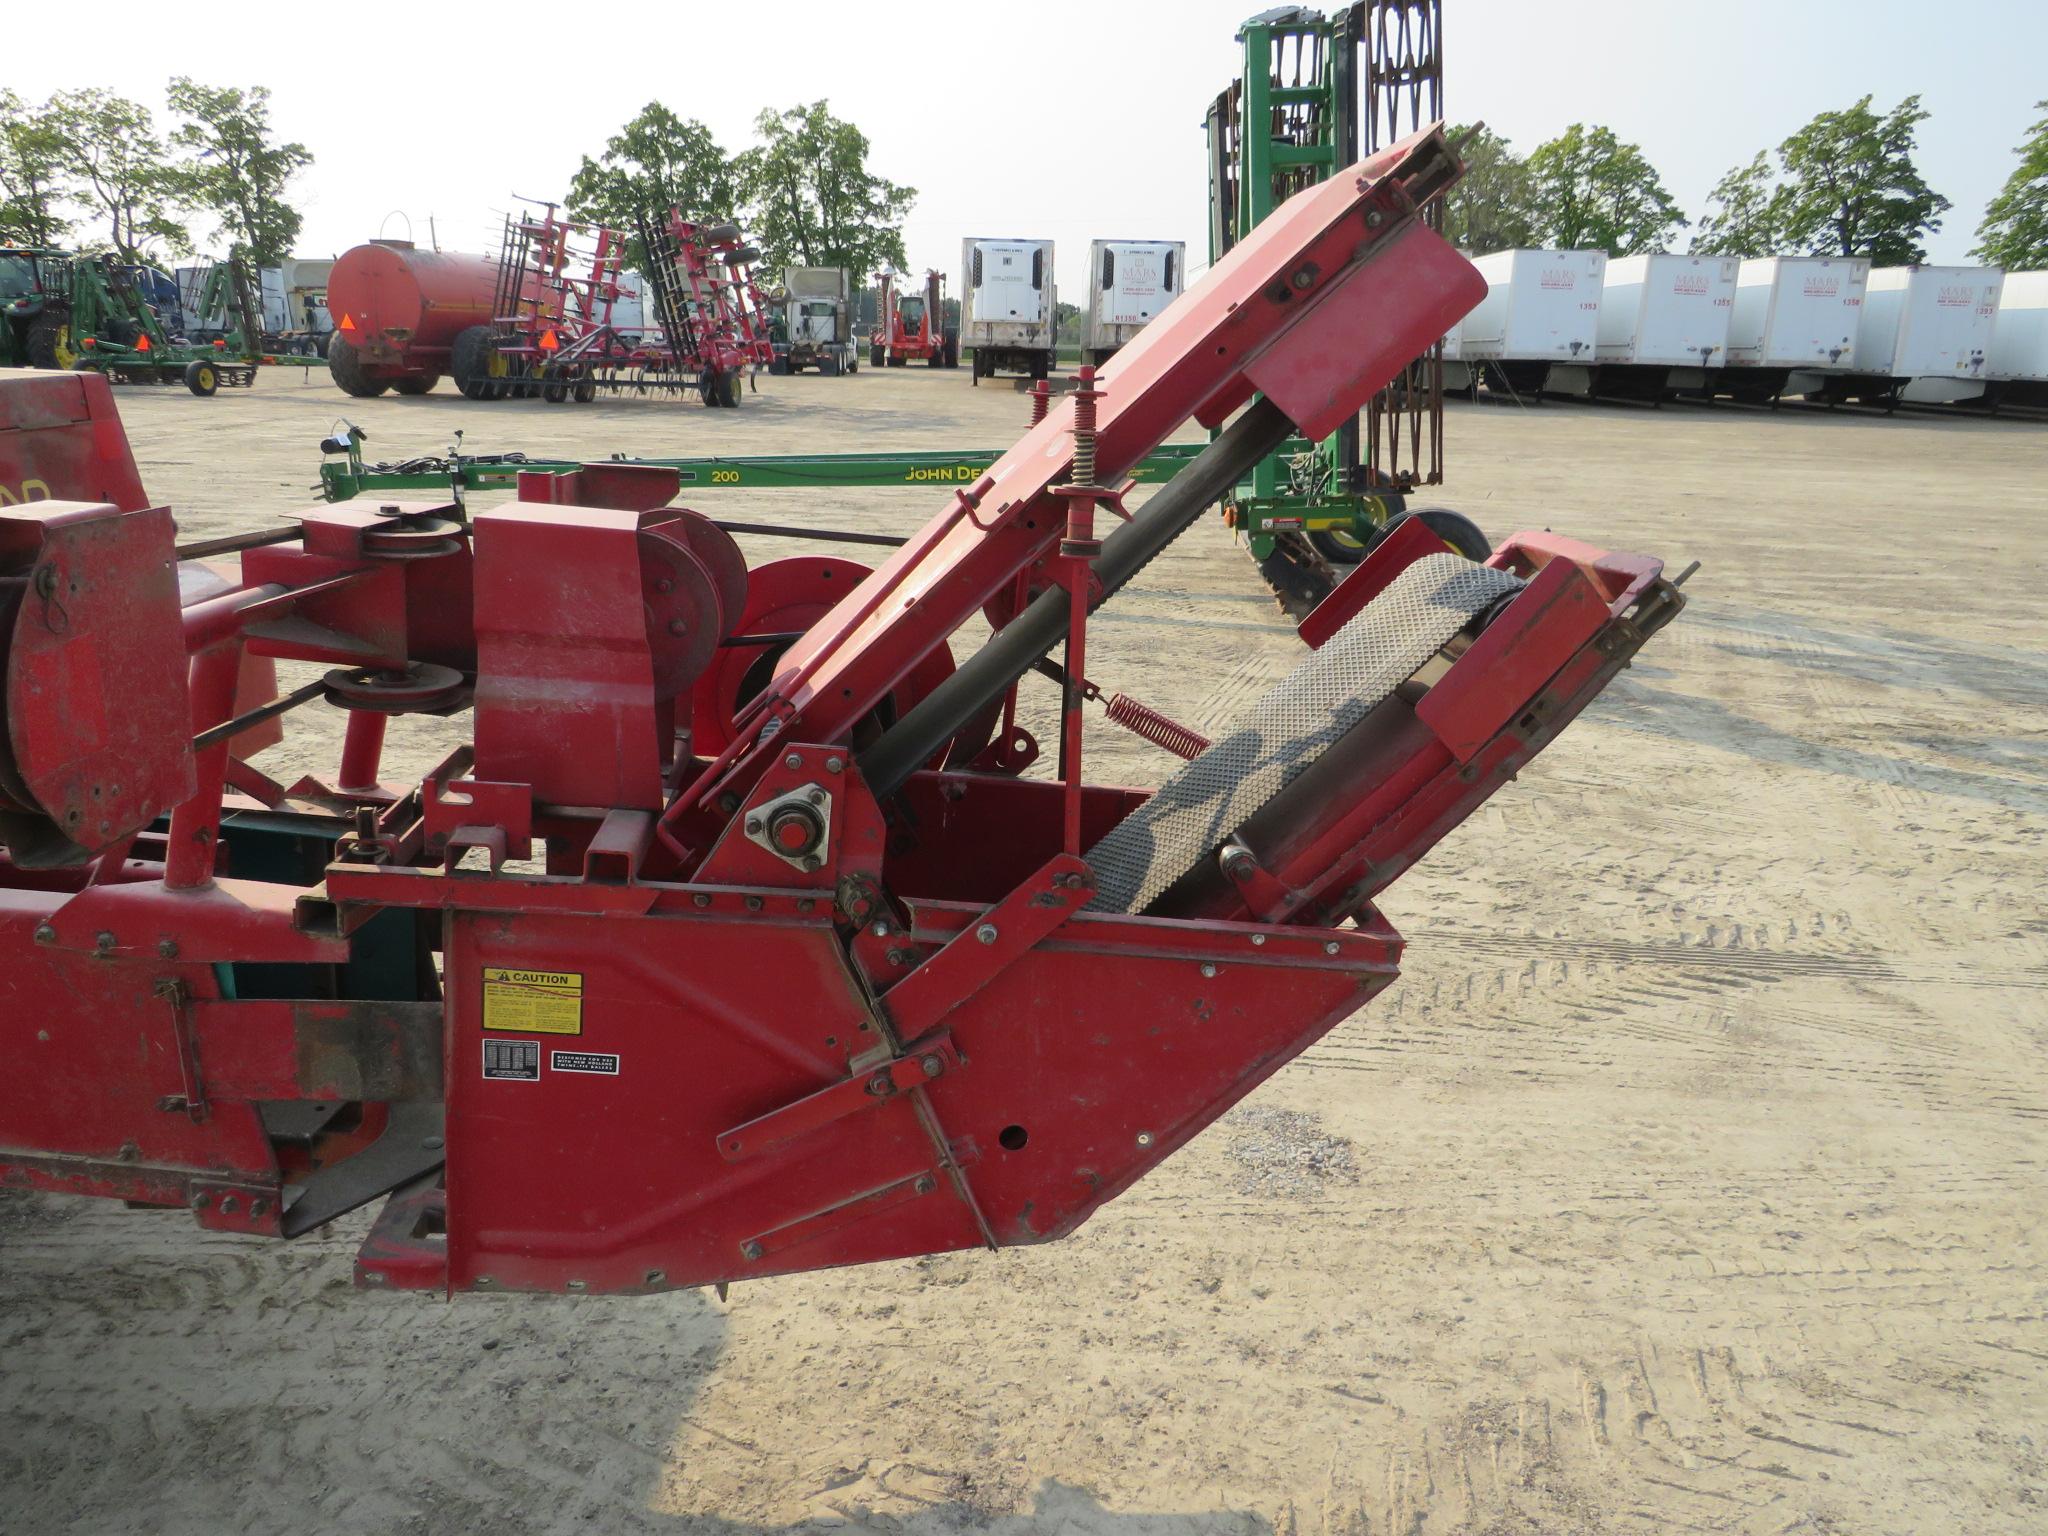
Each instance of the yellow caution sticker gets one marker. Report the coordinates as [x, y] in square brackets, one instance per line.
[533, 1002]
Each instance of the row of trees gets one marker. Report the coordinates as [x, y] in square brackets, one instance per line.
[1845, 184]
[804, 191]
[94, 169]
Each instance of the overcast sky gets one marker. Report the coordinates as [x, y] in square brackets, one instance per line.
[414, 112]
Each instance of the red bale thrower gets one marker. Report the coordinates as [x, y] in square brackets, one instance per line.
[806, 973]
[911, 327]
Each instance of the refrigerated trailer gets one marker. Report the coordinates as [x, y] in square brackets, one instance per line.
[1663, 323]
[1009, 307]
[1925, 340]
[1795, 322]
[2018, 371]
[1535, 331]
[1129, 283]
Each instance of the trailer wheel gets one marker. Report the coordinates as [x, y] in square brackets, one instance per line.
[874, 357]
[49, 341]
[201, 377]
[416, 383]
[586, 390]
[480, 369]
[729, 390]
[828, 366]
[345, 367]
[1458, 531]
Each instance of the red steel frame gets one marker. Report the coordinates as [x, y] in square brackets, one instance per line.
[892, 337]
[748, 1017]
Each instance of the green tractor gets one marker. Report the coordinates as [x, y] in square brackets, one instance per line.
[28, 277]
[89, 313]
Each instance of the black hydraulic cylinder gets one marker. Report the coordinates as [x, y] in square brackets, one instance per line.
[934, 720]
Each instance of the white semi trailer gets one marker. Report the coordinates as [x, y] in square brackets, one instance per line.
[1663, 323]
[1927, 335]
[1129, 283]
[1795, 323]
[2019, 343]
[1009, 307]
[1535, 331]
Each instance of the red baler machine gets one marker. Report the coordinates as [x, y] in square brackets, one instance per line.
[712, 954]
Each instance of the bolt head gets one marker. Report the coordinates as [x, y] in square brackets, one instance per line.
[750, 1249]
[45, 934]
[925, 1184]
[1330, 948]
[834, 764]
[167, 948]
[753, 826]
[1258, 941]
[932, 1065]
[1208, 969]
[793, 761]
[881, 930]
[103, 942]
[700, 900]
[986, 933]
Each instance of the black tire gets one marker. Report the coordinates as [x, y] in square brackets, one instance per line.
[322, 342]
[779, 368]
[828, 366]
[201, 377]
[478, 367]
[938, 357]
[730, 391]
[899, 362]
[555, 391]
[49, 341]
[1454, 528]
[720, 234]
[1340, 546]
[952, 351]
[416, 383]
[586, 391]
[875, 357]
[344, 367]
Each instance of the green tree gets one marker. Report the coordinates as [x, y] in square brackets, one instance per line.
[1851, 188]
[34, 181]
[1590, 189]
[2014, 234]
[656, 162]
[812, 200]
[124, 170]
[239, 172]
[1490, 207]
[1749, 213]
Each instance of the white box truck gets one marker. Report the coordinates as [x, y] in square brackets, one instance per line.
[1535, 330]
[1009, 307]
[1663, 322]
[1928, 330]
[1129, 283]
[813, 322]
[2018, 370]
[1794, 323]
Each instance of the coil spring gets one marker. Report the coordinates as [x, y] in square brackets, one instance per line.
[1161, 730]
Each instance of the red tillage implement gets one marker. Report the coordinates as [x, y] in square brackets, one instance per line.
[805, 973]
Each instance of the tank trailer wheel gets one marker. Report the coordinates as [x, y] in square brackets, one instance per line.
[202, 378]
[346, 369]
[416, 383]
[480, 369]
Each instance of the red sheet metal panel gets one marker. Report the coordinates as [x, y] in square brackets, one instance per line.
[61, 440]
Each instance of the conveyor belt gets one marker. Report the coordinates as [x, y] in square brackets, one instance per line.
[1209, 798]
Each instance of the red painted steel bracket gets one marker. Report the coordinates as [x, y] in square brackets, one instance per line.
[882, 1083]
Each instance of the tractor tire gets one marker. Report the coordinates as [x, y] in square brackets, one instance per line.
[347, 372]
[730, 391]
[480, 370]
[416, 383]
[938, 357]
[899, 362]
[49, 341]
[875, 359]
[201, 377]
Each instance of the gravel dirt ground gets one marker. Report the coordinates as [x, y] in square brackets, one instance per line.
[1691, 1179]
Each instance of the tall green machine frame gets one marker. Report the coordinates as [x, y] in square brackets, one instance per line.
[1317, 94]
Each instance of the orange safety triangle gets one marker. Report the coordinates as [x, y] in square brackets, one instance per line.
[548, 343]
[348, 322]
[142, 343]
